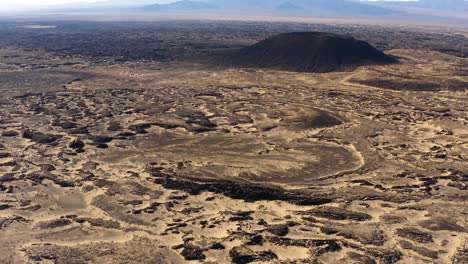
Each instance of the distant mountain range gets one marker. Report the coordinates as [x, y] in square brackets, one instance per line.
[440, 9]
[180, 5]
[299, 7]
[454, 5]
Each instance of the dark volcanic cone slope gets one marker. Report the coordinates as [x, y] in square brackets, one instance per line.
[309, 52]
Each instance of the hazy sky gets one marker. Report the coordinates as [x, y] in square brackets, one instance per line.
[31, 4]
[6, 5]
[59, 2]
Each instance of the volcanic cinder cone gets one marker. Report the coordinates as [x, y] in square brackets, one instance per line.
[309, 52]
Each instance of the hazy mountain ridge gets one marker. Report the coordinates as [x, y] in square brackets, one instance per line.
[425, 10]
[454, 5]
[299, 7]
[180, 5]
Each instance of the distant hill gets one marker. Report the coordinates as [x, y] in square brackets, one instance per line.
[308, 52]
[180, 5]
[423, 10]
[288, 6]
[299, 7]
[453, 5]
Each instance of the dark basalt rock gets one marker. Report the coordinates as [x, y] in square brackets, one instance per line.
[387, 256]
[325, 245]
[414, 234]
[67, 125]
[10, 133]
[336, 213]
[54, 223]
[114, 126]
[5, 222]
[328, 230]
[460, 257]
[140, 128]
[5, 207]
[242, 255]
[7, 177]
[9, 164]
[39, 176]
[441, 223]
[241, 216]
[76, 144]
[102, 146]
[39, 137]
[256, 240]
[279, 230]
[125, 135]
[193, 253]
[4, 155]
[166, 126]
[102, 139]
[203, 122]
[98, 222]
[26, 95]
[358, 258]
[80, 150]
[47, 167]
[249, 192]
[78, 131]
[267, 255]
[217, 246]
[309, 52]
[420, 250]
[101, 183]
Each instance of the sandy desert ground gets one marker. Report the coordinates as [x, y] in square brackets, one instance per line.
[165, 160]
